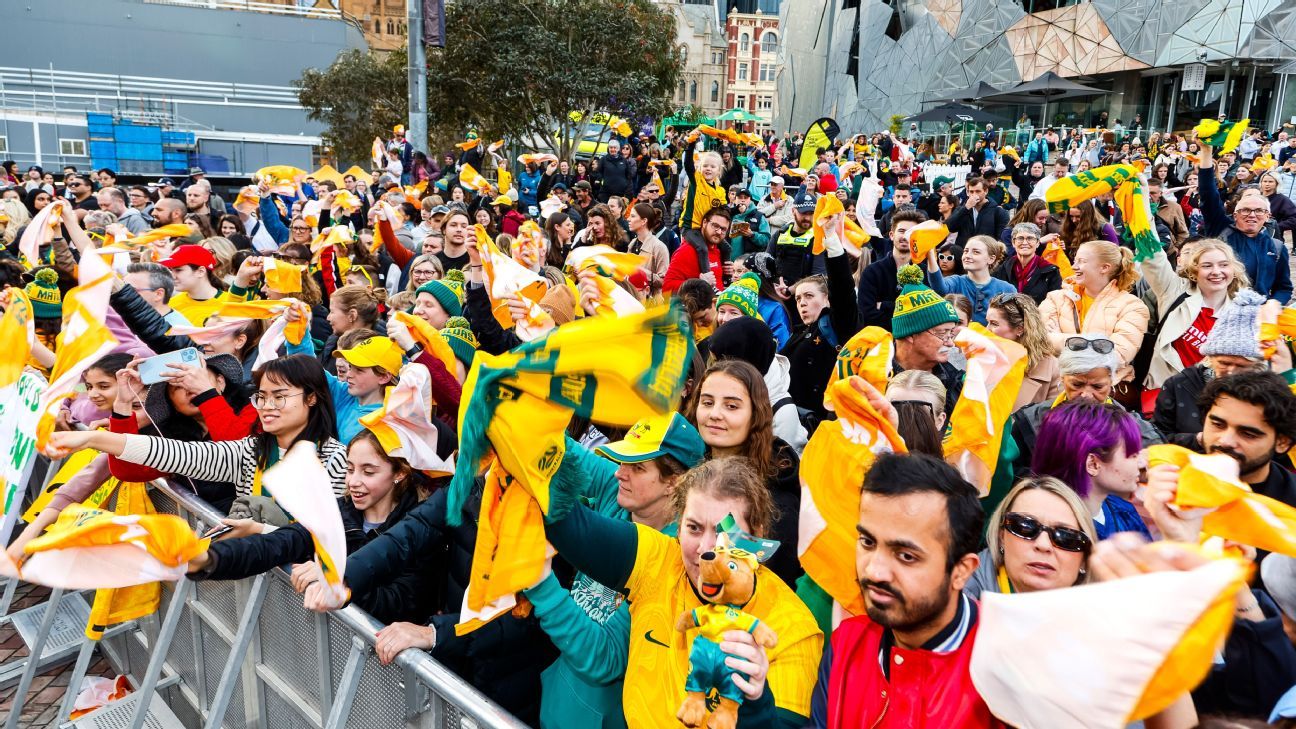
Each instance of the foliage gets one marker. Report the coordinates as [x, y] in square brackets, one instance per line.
[692, 114]
[362, 95]
[897, 123]
[517, 69]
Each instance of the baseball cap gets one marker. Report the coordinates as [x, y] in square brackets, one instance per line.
[660, 435]
[374, 352]
[936, 183]
[503, 200]
[441, 210]
[804, 204]
[743, 192]
[166, 181]
[191, 255]
[559, 186]
[582, 185]
[777, 180]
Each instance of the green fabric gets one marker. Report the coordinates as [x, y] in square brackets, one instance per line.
[1004, 478]
[818, 601]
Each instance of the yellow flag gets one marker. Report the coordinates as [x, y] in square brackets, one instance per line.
[117, 605]
[923, 239]
[867, 354]
[1071, 191]
[428, 338]
[609, 267]
[283, 277]
[281, 178]
[506, 277]
[847, 230]
[995, 370]
[1237, 513]
[1054, 254]
[471, 179]
[839, 454]
[15, 339]
[174, 230]
[533, 158]
[40, 231]
[378, 153]
[255, 309]
[404, 426]
[83, 340]
[344, 202]
[247, 201]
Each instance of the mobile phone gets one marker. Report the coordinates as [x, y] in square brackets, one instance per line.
[216, 531]
[152, 369]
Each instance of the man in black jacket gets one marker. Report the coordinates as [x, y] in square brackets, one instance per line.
[878, 287]
[979, 215]
[618, 173]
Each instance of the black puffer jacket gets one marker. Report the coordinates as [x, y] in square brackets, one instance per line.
[1177, 414]
[504, 658]
[785, 487]
[145, 322]
[410, 595]
[812, 350]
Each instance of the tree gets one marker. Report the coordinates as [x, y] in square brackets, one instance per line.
[532, 69]
[362, 95]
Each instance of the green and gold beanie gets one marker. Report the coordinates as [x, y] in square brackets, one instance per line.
[461, 339]
[918, 308]
[46, 299]
[744, 294]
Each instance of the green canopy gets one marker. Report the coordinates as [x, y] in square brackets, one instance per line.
[738, 115]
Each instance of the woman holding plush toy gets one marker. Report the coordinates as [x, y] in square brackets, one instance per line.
[663, 579]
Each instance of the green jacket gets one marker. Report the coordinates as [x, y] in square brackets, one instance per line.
[590, 626]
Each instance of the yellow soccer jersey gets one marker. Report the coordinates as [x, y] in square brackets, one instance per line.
[713, 621]
[659, 592]
[700, 197]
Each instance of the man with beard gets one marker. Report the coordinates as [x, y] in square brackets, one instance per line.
[905, 663]
[1251, 416]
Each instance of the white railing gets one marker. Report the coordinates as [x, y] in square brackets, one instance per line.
[256, 7]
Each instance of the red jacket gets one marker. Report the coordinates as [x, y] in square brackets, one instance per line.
[684, 266]
[222, 424]
[926, 689]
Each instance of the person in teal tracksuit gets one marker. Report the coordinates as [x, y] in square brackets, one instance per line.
[590, 625]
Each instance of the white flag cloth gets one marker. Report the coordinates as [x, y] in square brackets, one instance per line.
[301, 487]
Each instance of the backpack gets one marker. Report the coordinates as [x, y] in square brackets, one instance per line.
[809, 419]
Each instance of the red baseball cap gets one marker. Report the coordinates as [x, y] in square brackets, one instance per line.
[191, 255]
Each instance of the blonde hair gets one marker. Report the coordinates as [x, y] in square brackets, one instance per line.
[1054, 486]
[994, 247]
[1192, 262]
[223, 249]
[18, 218]
[924, 382]
[429, 258]
[364, 300]
[734, 478]
[1020, 311]
[1119, 258]
[401, 301]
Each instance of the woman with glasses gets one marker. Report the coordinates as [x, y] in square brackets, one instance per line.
[1015, 317]
[293, 404]
[981, 255]
[1188, 302]
[1095, 449]
[1026, 270]
[1096, 300]
[1038, 538]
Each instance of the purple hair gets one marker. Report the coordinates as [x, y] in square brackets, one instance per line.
[1074, 430]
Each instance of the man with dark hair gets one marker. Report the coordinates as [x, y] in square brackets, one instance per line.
[907, 658]
[878, 286]
[793, 249]
[902, 199]
[81, 193]
[1251, 417]
[979, 215]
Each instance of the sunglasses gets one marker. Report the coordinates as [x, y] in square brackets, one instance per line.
[1028, 527]
[1080, 344]
[945, 257]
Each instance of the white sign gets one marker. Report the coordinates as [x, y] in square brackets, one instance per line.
[19, 412]
[1194, 77]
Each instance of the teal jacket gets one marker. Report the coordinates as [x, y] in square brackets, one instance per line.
[590, 626]
[347, 406]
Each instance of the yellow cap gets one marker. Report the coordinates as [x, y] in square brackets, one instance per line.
[504, 200]
[379, 352]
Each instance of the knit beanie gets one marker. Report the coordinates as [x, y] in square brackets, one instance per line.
[461, 339]
[559, 304]
[745, 338]
[744, 294]
[46, 299]
[447, 291]
[1237, 328]
[918, 308]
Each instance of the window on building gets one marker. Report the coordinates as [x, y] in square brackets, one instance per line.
[681, 90]
[740, 102]
[692, 90]
[4, 144]
[72, 147]
[848, 4]
[744, 43]
[715, 92]
[769, 42]
[852, 57]
[895, 27]
[767, 72]
[742, 72]
[765, 103]
[683, 51]
[377, 25]
[391, 27]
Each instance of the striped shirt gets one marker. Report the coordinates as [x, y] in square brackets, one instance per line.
[233, 461]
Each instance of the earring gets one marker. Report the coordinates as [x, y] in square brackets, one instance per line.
[1082, 571]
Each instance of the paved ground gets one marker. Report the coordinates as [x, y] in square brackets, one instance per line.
[48, 688]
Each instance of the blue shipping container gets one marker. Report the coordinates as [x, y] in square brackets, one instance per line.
[102, 149]
[138, 134]
[139, 151]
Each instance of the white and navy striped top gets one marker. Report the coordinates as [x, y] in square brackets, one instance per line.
[231, 461]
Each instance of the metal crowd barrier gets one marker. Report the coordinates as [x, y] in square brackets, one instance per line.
[247, 655]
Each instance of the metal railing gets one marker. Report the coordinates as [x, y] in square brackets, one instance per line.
[258, 7]
[246, 654]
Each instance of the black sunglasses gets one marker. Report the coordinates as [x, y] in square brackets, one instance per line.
[1028, 527]
[1080, 344]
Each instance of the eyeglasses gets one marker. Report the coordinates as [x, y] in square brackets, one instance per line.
[1252, 211]
[1080, 344]
[1024, 526]
[300, 229]
[946, 336]
[260, 400]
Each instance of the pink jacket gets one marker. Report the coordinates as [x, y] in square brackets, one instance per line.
[1120, 315]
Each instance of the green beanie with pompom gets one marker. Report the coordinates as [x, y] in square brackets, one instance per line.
[918, 308]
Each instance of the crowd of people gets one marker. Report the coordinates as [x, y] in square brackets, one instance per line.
[403, 267]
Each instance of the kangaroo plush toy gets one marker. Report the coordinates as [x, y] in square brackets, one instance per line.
[727, 577]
